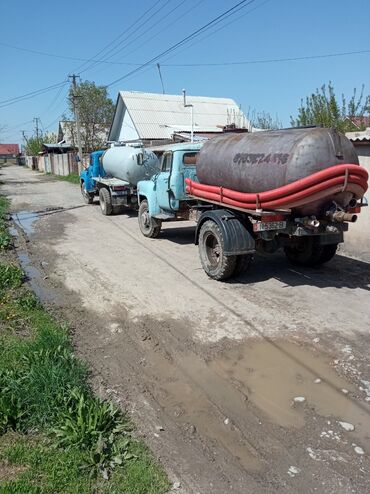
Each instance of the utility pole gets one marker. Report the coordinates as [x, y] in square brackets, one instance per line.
[187, 105]
[37, 131]
[24, 136]
[160, 76]
[77, 115]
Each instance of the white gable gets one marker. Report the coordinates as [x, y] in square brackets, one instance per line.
[158, 116]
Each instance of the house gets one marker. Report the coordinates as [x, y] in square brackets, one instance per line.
[9, 152]
[361, 141]
[155, 119]
[67, 134]
[358, 238]
[360, 123]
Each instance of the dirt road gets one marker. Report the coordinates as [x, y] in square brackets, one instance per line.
[255, 386]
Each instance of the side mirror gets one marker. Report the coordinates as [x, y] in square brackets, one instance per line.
[140, 159]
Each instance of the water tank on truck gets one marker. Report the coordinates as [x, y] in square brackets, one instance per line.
[263, 161]
[130, 164]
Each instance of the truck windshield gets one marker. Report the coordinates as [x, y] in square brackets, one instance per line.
[189, 158]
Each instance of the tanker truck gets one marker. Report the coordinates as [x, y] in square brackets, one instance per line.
[112, 175]
[292, 189]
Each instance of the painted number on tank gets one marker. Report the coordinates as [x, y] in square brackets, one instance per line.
[258, 158]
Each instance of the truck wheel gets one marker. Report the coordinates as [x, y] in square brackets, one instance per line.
[105, 201]
[149, 226]
[88, 196]
[243, 263]
[308, 252]
[215, 263]
[328, 253]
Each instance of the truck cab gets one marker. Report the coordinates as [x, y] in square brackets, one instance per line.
[164, 197]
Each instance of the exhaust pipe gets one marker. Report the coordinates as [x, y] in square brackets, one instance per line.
[341, 217]
[309, 221]
[312, 222]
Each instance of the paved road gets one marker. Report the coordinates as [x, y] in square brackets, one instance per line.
[210, 371]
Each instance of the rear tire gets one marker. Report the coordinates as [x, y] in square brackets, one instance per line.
[105, 202]
[149, 226]
[309, 253]
[328, 253]
[215, 263]
[87, 196]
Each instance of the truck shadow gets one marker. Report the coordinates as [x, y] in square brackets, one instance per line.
[340, 272]
[182, 236]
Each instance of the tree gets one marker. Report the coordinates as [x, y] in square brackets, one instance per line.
[323, 108]
[34, 144]
[96, 111]
[263, 120]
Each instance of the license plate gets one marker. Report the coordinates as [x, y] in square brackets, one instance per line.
[262, 226]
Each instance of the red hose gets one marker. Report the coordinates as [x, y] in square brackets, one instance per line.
[351, 178]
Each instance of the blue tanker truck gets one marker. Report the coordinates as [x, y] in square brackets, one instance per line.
[295, 189]
[112, 175]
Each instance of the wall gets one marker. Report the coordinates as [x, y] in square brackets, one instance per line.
[57, 164]
[357, 239]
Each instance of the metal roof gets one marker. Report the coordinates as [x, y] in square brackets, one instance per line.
[157, 116]
[359, 136]
[181, 146]
[9, 149]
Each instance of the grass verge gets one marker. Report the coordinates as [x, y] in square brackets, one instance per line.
[56, 436]
[73, 178]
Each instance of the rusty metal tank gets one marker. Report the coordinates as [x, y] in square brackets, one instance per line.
[130, 164]
[266, 160]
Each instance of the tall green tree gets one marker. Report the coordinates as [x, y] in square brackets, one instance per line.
[263, 120]
[96, 111]
[324, 108]
[34, 144]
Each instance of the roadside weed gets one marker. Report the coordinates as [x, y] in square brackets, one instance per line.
[56, 436]
[10, 276]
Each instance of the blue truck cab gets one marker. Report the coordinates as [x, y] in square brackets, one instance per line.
[87, 181]
[164, 197]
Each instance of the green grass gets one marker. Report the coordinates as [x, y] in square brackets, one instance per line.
[55, 434]
[5, 238]
[73, 178]
[35, 466]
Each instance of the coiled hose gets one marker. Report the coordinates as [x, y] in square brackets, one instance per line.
[325, 183]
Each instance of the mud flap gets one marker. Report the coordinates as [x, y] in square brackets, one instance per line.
[237, 238]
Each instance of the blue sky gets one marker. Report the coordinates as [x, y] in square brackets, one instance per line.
[267, 29]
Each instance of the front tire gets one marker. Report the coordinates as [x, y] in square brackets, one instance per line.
[87, 196]
[105, 202]
[215, 263]
[149, 226]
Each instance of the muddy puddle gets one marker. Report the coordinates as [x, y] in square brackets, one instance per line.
[35, 278]
[25, 220]
[282, 379]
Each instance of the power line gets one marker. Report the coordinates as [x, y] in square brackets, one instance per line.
[78, 69]
[271, 60]
[32, 94]
[245, 3]
[160, 31]
[148, 29]
[223, 26]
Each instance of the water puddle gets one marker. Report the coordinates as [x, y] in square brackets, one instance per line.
[35, 278]
[25, 220]
[283, 378]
